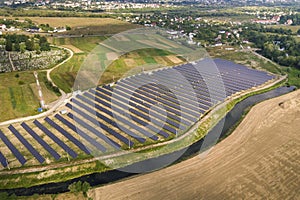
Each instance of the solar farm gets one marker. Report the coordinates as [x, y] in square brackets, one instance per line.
[136, 111]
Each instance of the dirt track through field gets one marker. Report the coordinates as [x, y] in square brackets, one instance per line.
[259, 160]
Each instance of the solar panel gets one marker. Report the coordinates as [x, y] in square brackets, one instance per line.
[67, 135]
[93, 130]
[81, 133]
[151, 127]
[12, 148]
[112, 122]
[111, 131]
[121, 91]
[122, 138]
[103, 126]
[3, 160]
[41, 141]
[30, 148]
[56, 139]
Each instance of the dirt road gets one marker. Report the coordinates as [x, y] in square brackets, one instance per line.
[259, 160]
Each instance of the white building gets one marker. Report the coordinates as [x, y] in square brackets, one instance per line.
[2, 27]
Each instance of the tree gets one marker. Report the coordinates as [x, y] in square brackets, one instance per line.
[85, 188]
[29, 45]
[22, 47]
[68, 28]
[298, 32]
[17, 46]
[45, 47]
[8, 45]
[77, 187]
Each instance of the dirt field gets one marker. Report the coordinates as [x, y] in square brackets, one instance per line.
[259, 160]
[75, 21]
[73, 48]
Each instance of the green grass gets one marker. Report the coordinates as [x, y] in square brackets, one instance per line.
[86, 44]
[150, 60]
[293, 76]
[20, 100]
[293, 28]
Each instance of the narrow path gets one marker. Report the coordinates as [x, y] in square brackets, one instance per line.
[11, 62]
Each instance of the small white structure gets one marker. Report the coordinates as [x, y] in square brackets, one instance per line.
[2, 27]
[59, 30]
[63, 112]
[172, 32]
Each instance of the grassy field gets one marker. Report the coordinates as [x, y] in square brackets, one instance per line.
[86, 26]
[64, 76]
[18, 94]
[293, 28]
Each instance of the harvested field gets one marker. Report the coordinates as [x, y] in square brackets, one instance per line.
[76, 21]
[260, 159]
[174, 59]
[73, 48]
[130, 62]
[111, 56]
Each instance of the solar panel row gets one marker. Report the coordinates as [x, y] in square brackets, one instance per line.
[41, 141]
[67, 135]
[92, 118]
[55, 139]
[143, 101]
[110, 121]
[121, 102]
[30, 148]
[81, 133]
[120, 118]
[92, 129]
[13, 149]
[3, 160]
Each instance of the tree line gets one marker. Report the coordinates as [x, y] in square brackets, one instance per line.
[21, 43]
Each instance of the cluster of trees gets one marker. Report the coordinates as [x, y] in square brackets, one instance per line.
[295, 18]
[50, 86]
[79, 186]
[17, 23]
[265, 29]
[284, 50]
[20, 43]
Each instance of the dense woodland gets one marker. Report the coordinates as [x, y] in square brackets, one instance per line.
[283, 49]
